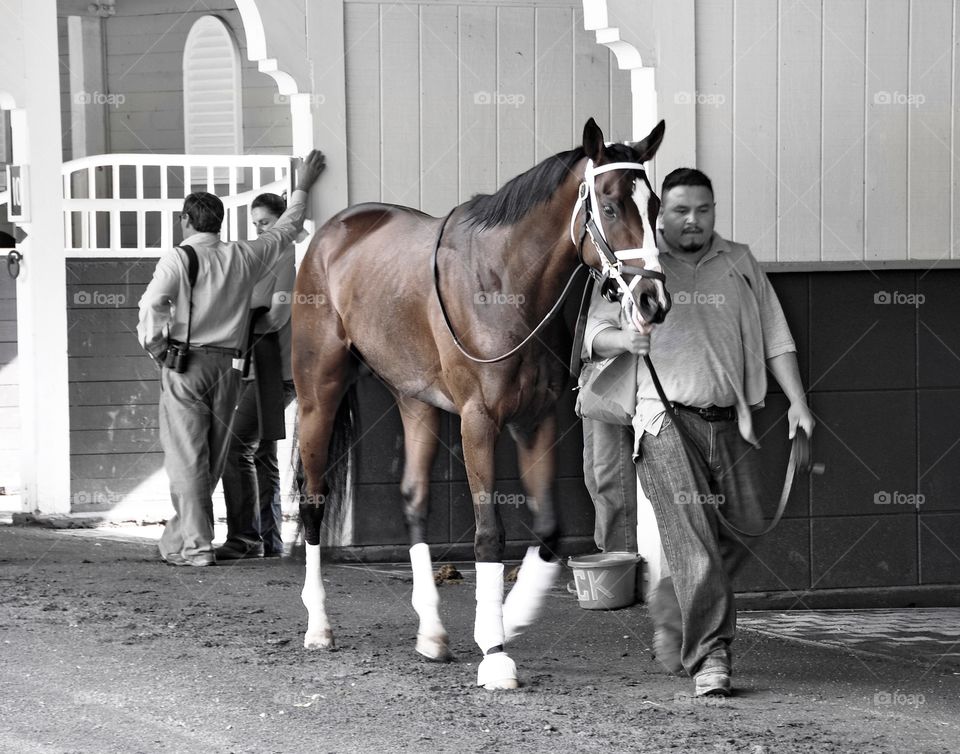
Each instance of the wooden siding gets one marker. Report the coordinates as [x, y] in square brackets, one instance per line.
[445, 100]
[829, 128]
[114, 388]
[144, 45]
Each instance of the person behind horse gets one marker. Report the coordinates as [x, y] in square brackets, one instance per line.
[608, 469]
[251, 477]
[198, 397]
[726, 328]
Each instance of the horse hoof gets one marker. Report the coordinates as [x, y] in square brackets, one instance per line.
[497, 672]
[319, 640]
[434, 648]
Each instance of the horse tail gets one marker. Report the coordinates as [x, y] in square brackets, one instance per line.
[341, 454]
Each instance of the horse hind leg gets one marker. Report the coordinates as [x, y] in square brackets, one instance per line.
[421, 425]
[318, 420]
[538, 572]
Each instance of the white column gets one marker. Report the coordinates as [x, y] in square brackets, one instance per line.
[41, 287]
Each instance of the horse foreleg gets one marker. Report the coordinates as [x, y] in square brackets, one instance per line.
[497, 670]
[537, 461]
[421, 427]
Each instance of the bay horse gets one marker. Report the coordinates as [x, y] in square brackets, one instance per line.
[430, 306]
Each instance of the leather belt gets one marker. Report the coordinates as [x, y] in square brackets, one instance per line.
[798, 464]
[711, 413]
[233, 353]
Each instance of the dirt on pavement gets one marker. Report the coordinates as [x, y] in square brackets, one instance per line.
[106, 649]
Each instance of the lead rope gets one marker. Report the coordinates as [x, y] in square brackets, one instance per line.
[799, 461]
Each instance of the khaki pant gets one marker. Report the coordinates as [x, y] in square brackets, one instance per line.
[195, 412]
[611, 480]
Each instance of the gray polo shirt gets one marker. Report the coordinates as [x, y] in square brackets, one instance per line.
[712, 348]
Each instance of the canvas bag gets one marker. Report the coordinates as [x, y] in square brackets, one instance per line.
[608, 390]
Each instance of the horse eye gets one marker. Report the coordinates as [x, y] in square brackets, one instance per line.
[609, 211]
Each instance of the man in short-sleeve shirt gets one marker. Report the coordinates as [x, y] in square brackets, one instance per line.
[726, 328]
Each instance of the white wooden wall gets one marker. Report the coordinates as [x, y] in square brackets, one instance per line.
[448, 99]
[144, 44]
[829, 127]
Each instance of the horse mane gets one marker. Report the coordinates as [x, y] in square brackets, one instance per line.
[520, 194]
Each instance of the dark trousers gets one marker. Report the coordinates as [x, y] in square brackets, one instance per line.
[251, 480]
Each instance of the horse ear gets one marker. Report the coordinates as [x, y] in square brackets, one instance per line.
[592, 140]
[649, 146]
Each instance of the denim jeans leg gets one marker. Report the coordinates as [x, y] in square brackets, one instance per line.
[677, 485]
[614, 485]
[240, 475]
[740, 483]
[268, 484]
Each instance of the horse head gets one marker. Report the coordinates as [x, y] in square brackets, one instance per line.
[614, 236]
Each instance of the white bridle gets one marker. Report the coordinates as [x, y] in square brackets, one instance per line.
[648, 254]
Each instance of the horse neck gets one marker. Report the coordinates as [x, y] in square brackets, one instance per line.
[535, 256]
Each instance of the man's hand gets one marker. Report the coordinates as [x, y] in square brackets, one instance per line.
[799, 415]
[634, 342]
[310, 170]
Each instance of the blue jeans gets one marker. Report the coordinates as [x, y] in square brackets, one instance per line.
[611, 480]
[703, 554]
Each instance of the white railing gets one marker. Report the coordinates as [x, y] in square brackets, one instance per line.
[122, 205]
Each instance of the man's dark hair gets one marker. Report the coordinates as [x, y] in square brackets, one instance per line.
[272, 203]
[685, 177]
[205, 211]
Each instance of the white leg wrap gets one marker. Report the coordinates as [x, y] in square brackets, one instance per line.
[432, 639]
[496, 671]
[318, 635]
[525, 600]
[488, 629]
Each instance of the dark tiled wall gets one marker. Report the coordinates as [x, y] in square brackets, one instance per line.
[883, 373]
[880, 354]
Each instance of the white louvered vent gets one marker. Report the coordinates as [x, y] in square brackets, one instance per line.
[212, 107]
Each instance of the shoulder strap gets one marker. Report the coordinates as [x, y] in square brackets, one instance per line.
[193, 265]
[193, 269]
